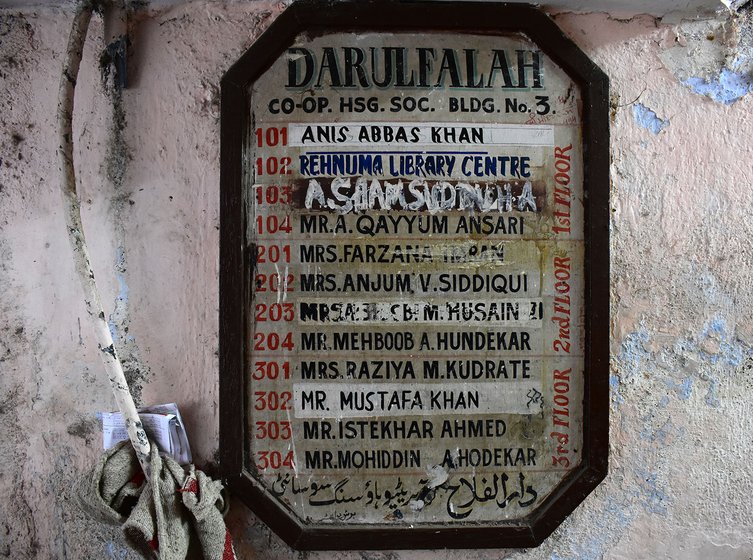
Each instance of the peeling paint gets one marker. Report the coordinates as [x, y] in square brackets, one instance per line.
[713, 57]
[647, 119]
[725, 88]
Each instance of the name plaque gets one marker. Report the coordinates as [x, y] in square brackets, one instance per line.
[414, 276]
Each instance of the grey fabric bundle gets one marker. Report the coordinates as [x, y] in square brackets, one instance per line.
[176, 511]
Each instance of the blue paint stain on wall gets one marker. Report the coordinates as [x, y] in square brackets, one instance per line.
[616, 517]
[655, 500]
[717, 325]
[686, 388]
[683, 389]
[712, 397]
[648, 119]
[592, 548]
[633, 357]
[725, 88]
[614, 384]
[731, 352]
[661, 435]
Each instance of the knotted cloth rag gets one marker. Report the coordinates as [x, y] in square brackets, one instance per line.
[167, 515]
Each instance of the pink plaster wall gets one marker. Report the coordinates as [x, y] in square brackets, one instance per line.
[682, 280]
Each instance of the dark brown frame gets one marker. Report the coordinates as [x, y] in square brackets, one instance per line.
[493, 18]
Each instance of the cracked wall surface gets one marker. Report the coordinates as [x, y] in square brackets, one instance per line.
[148, 167]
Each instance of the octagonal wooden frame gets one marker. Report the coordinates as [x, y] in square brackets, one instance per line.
[317, 17]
